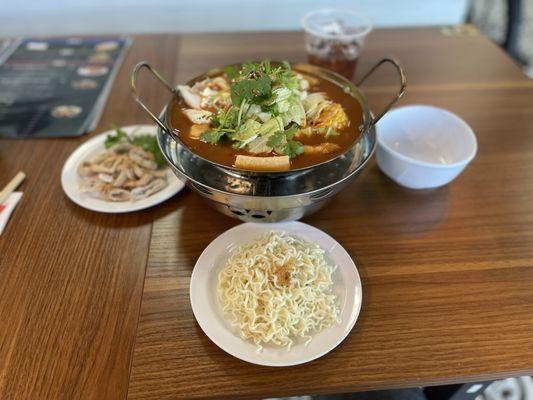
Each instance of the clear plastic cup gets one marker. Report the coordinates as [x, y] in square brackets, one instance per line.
[334, 38]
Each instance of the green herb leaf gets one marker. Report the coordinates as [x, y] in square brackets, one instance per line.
[118, 137]
[230, 118]
[251, 90]
[277, 140]
[249, 68]
[287, 71]
[282, 142]
[263, 86]
[146, 142]
[266, 66]
[293, 148]
[215, 120]
[212, 136]
[240, 91]
[272, 89]
[149, 143]
[231, 72]
[291, 131]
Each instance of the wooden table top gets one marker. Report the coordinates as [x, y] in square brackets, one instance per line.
[96, 306]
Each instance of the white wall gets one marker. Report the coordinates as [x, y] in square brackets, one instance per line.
[56, 17]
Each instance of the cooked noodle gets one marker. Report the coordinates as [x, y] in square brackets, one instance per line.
[278, 288]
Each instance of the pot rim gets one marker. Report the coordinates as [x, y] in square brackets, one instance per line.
[373, 145]
[369, 120]
[348, 87]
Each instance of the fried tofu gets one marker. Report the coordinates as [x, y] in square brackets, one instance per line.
[323, 148]
[197, 130]
[276, 163]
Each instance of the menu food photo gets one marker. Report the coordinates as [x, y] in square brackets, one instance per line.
[56, 87]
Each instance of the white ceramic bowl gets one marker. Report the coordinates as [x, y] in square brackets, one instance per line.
[424, 147]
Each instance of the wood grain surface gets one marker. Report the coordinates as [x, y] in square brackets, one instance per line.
[447, 273]
[71, 279]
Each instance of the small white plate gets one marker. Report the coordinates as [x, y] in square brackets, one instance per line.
[210, 317]
[70, 180]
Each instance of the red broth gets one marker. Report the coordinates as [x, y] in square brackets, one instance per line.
[223, 153]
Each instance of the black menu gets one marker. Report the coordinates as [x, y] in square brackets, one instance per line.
[56, 87]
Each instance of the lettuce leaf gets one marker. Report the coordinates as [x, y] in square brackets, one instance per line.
[280, 98]
[295, 112]
[282, 143]
[260, 143]
[288, 105]
[247, 132]
[314, 103]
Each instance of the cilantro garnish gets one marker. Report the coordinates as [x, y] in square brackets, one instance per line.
[231, 72]
[212, 136]
[251, 90]
[291, 131]
[259, 88]
[146, 142]
[282, 142]
[277, 140]
[119, 136]
[149, 143]
[293, 148]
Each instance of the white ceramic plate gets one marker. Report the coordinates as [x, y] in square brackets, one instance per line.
[70, 180]
[210, 317]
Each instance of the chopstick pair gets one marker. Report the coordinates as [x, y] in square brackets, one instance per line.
[10, 188]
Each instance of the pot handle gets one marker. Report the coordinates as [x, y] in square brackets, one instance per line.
[403, 84]
[134, 92]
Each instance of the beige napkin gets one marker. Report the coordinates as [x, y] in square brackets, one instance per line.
[10, 205]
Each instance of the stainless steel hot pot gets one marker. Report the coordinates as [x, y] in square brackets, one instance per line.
[269, 196]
